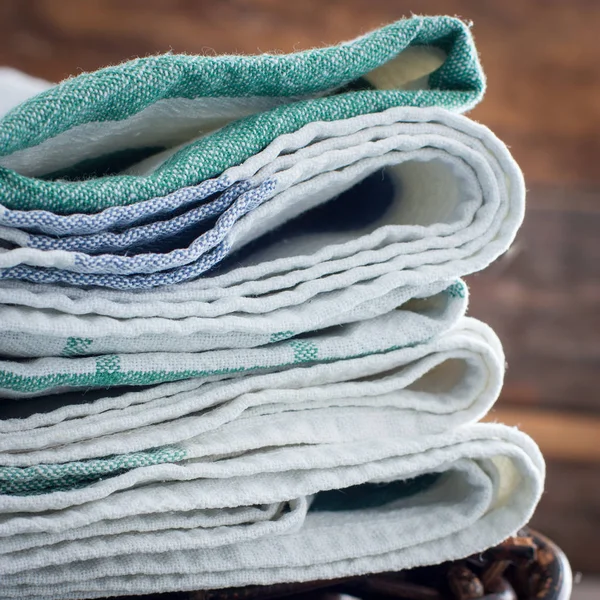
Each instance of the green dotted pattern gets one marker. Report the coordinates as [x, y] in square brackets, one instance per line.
[304, 351]
[116, 93]
[280, 336]
[456, 290]
[45, 478]
[76, 346]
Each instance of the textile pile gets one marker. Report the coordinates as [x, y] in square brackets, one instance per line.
[233, 340]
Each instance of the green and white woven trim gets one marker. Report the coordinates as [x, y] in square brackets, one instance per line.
[41, 479]
[425, 389]
[404, 326]
[97, 115]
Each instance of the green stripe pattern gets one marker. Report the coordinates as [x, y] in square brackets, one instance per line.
[45, 478]
[119, 92]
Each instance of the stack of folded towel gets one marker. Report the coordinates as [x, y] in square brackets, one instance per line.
[233, 343]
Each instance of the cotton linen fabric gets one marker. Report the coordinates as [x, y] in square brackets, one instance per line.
[246, 475]
[492, 481]
[156, 101]
[392, 329]
[233, 342]
[462, 190]
[458, 374]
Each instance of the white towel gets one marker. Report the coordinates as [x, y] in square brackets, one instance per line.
[239, 501]
[308, 408]
[17, 87]
[216, 351]
[490, 479]
[455, 199]
[426, 388]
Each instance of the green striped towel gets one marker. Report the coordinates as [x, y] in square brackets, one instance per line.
[210, 113]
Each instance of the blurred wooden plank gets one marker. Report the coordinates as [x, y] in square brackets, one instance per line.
[542, 298]
[560, 435]
[567, 198]
[541, 56]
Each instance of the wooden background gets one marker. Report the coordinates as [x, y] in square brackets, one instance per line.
[542, 58]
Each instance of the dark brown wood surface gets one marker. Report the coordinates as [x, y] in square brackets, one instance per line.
[542, 59]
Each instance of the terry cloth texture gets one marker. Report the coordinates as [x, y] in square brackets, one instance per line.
[233, 343]
[442, 185]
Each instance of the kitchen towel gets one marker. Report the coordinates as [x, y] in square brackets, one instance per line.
[215, 350]
[163, 323]
[17, 87]
[232, 333]
[406, 391]
[239, 475]
[59, 149]
[270, 516]
[423, 190]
